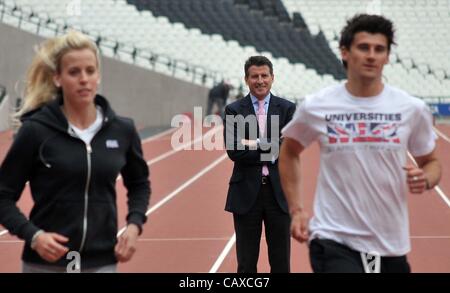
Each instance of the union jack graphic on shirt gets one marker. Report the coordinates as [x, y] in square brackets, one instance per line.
[357, 132]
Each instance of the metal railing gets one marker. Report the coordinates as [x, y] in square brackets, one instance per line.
[438, 73]
[2, 93]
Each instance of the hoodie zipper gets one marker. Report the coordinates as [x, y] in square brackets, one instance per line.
[88, 180]
[86, 195]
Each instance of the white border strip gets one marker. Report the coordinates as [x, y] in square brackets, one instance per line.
[227, 249]
[429, 237]
[164, 155]
[181, 147]
[181, 188]
[158, 135]
[445, 137]
[223, 254]
[436, 188]
[183, 239]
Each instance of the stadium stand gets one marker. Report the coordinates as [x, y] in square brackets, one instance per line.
[151, 98]
[420, 63]
[251, 23]
[212, 39]
[41, 20]
[270, 8]
[116, 20]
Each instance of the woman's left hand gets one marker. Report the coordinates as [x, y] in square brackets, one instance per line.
[126, 245]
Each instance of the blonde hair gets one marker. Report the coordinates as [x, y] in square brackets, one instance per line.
[40, 88]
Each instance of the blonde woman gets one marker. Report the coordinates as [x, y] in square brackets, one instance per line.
[71, 146]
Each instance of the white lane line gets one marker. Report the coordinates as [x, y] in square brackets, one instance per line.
[183, 239]
[164, 155]
[158, 135]
[181, 188]
[10, 241]
[445, 137]
[436, 188]
[442, 195]
[181, 147]
[223, 254]
[148, 239]
[429, 237]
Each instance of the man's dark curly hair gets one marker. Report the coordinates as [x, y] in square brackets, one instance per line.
[366, 23]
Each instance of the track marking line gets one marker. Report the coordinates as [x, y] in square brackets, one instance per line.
[164, 155]
[149, 239]
[183, 239]
[181, 147]
[158, 135]
[439, 191]
[429, 237]
[181, 188]
[223, 254]
[10, 241]
[439, 133]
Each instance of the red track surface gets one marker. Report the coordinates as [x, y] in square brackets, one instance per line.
[189, 231]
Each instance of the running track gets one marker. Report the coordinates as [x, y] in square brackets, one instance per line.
[189, 231]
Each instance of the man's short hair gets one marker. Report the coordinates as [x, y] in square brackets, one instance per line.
[257, 61]
[366, 23]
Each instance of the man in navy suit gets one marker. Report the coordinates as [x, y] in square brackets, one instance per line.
[252, 134]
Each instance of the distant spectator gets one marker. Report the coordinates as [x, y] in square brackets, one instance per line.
[218, 95]
[239, 95]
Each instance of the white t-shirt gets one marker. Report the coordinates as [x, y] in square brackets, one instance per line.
[88, 133]
[361, 195]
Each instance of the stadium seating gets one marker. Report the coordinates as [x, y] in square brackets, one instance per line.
[263, 24]
[117, 20]
[214, 38]
[420, 63]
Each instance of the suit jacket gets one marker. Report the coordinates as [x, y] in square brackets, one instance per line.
[245, 181]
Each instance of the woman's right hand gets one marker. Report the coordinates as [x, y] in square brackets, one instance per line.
[49, 246]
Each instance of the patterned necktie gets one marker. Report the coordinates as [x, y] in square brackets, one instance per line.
[262, 128]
